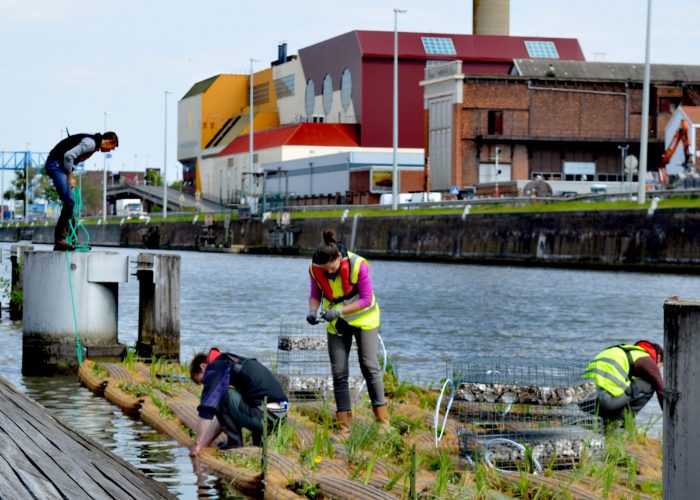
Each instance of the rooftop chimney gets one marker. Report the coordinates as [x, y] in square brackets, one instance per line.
[491, 17]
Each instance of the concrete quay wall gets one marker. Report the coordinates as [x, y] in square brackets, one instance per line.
[668, 240]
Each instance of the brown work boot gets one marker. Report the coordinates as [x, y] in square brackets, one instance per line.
[344, 422]
[381, 416]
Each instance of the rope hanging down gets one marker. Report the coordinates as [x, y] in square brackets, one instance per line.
[74, 225]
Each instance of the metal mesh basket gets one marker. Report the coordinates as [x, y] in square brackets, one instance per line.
[511, 411]
[303, 366]
[512, 446]
[517, 371]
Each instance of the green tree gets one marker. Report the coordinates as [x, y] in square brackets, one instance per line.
[153, 178]
[40, 184]
[91, 194]
[177, 185]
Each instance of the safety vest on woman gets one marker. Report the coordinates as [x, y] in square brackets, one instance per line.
[342, 290]
[611, 368]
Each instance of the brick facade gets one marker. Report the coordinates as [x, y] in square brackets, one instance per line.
[539, 124]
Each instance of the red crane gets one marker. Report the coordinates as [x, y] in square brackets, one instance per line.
[681, 135]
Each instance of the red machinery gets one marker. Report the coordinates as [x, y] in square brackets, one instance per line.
[681, 135]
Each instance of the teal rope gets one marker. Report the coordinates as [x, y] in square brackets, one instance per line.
[75, 316]
[72, 239]
[74, 225]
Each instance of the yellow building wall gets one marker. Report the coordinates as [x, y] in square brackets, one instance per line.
[265, 114]
[226, 97]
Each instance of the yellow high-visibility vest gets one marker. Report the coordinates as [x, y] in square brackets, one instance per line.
[611, 368]
[365, 319]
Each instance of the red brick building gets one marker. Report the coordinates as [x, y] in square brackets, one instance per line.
[563, 121]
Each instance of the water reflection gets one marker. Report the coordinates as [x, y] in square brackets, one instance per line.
[430, 313]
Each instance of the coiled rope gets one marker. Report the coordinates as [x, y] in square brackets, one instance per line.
[74, 225]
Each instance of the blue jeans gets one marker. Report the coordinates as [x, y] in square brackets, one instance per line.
[65, 193]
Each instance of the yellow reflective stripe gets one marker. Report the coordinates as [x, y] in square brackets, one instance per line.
[624, 373]
[360, 313]
[609, 376]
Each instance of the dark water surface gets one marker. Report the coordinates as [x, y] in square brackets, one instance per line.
[430, 313]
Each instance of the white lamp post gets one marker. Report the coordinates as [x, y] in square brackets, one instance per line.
[395, 122]
[165, 158]
[104, 176]
[644, 134]
[250, 136]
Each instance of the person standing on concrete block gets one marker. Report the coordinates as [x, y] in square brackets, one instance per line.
[340, 282]
[626, 376]
[234, 390]
[59, 167]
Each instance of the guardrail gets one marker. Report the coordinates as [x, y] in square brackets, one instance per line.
[510, 201]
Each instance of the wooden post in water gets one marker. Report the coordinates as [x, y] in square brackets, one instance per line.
[159, 305]
[18, 253]
[681, 439]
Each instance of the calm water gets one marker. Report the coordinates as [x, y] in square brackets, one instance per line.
[430, 313]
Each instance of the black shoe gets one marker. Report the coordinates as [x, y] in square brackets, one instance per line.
[230, 445]
[62, 246]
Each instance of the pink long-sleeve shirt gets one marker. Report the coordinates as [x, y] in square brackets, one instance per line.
[364, 287]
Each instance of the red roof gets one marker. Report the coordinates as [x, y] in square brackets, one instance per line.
[300, 134]
[467, 47]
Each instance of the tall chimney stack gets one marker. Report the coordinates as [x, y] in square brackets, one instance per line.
[491, 17]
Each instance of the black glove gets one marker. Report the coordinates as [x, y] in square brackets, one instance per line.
[311, 318]
[331, 314]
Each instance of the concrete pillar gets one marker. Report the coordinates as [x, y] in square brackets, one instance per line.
[159, 305]
[49, 342]
[681, 438]
[16, 285]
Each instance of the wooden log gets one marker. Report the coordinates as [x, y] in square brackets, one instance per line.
[88, 377]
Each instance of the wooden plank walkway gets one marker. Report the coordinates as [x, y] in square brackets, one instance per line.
[41, 457]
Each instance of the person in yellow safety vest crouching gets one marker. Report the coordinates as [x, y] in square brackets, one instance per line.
[340, 281]
[626, 376]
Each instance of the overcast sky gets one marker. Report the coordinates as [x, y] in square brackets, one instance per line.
[67, 62]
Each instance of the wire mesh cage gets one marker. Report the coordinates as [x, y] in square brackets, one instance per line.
[303, 365]
[511, 411]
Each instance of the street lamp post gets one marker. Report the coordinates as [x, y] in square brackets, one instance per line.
[250, 135]
[104, 177]
[395, 121]
[27, 161]
[165, 158]
[644, 134]
[623, 155]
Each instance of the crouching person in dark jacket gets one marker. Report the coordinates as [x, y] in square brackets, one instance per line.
[234, 390]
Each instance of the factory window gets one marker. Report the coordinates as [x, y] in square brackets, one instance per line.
[544, 50]
[433, 45]
[284, 87]
[346, 88]
[310, 98]
[261, 93]
[327, 93]
[495, 122]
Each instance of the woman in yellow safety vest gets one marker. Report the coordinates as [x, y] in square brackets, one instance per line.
[626, 376]
[340, 282]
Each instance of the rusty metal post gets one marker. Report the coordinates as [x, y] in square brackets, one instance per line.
[159, 305]
[681, 439]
